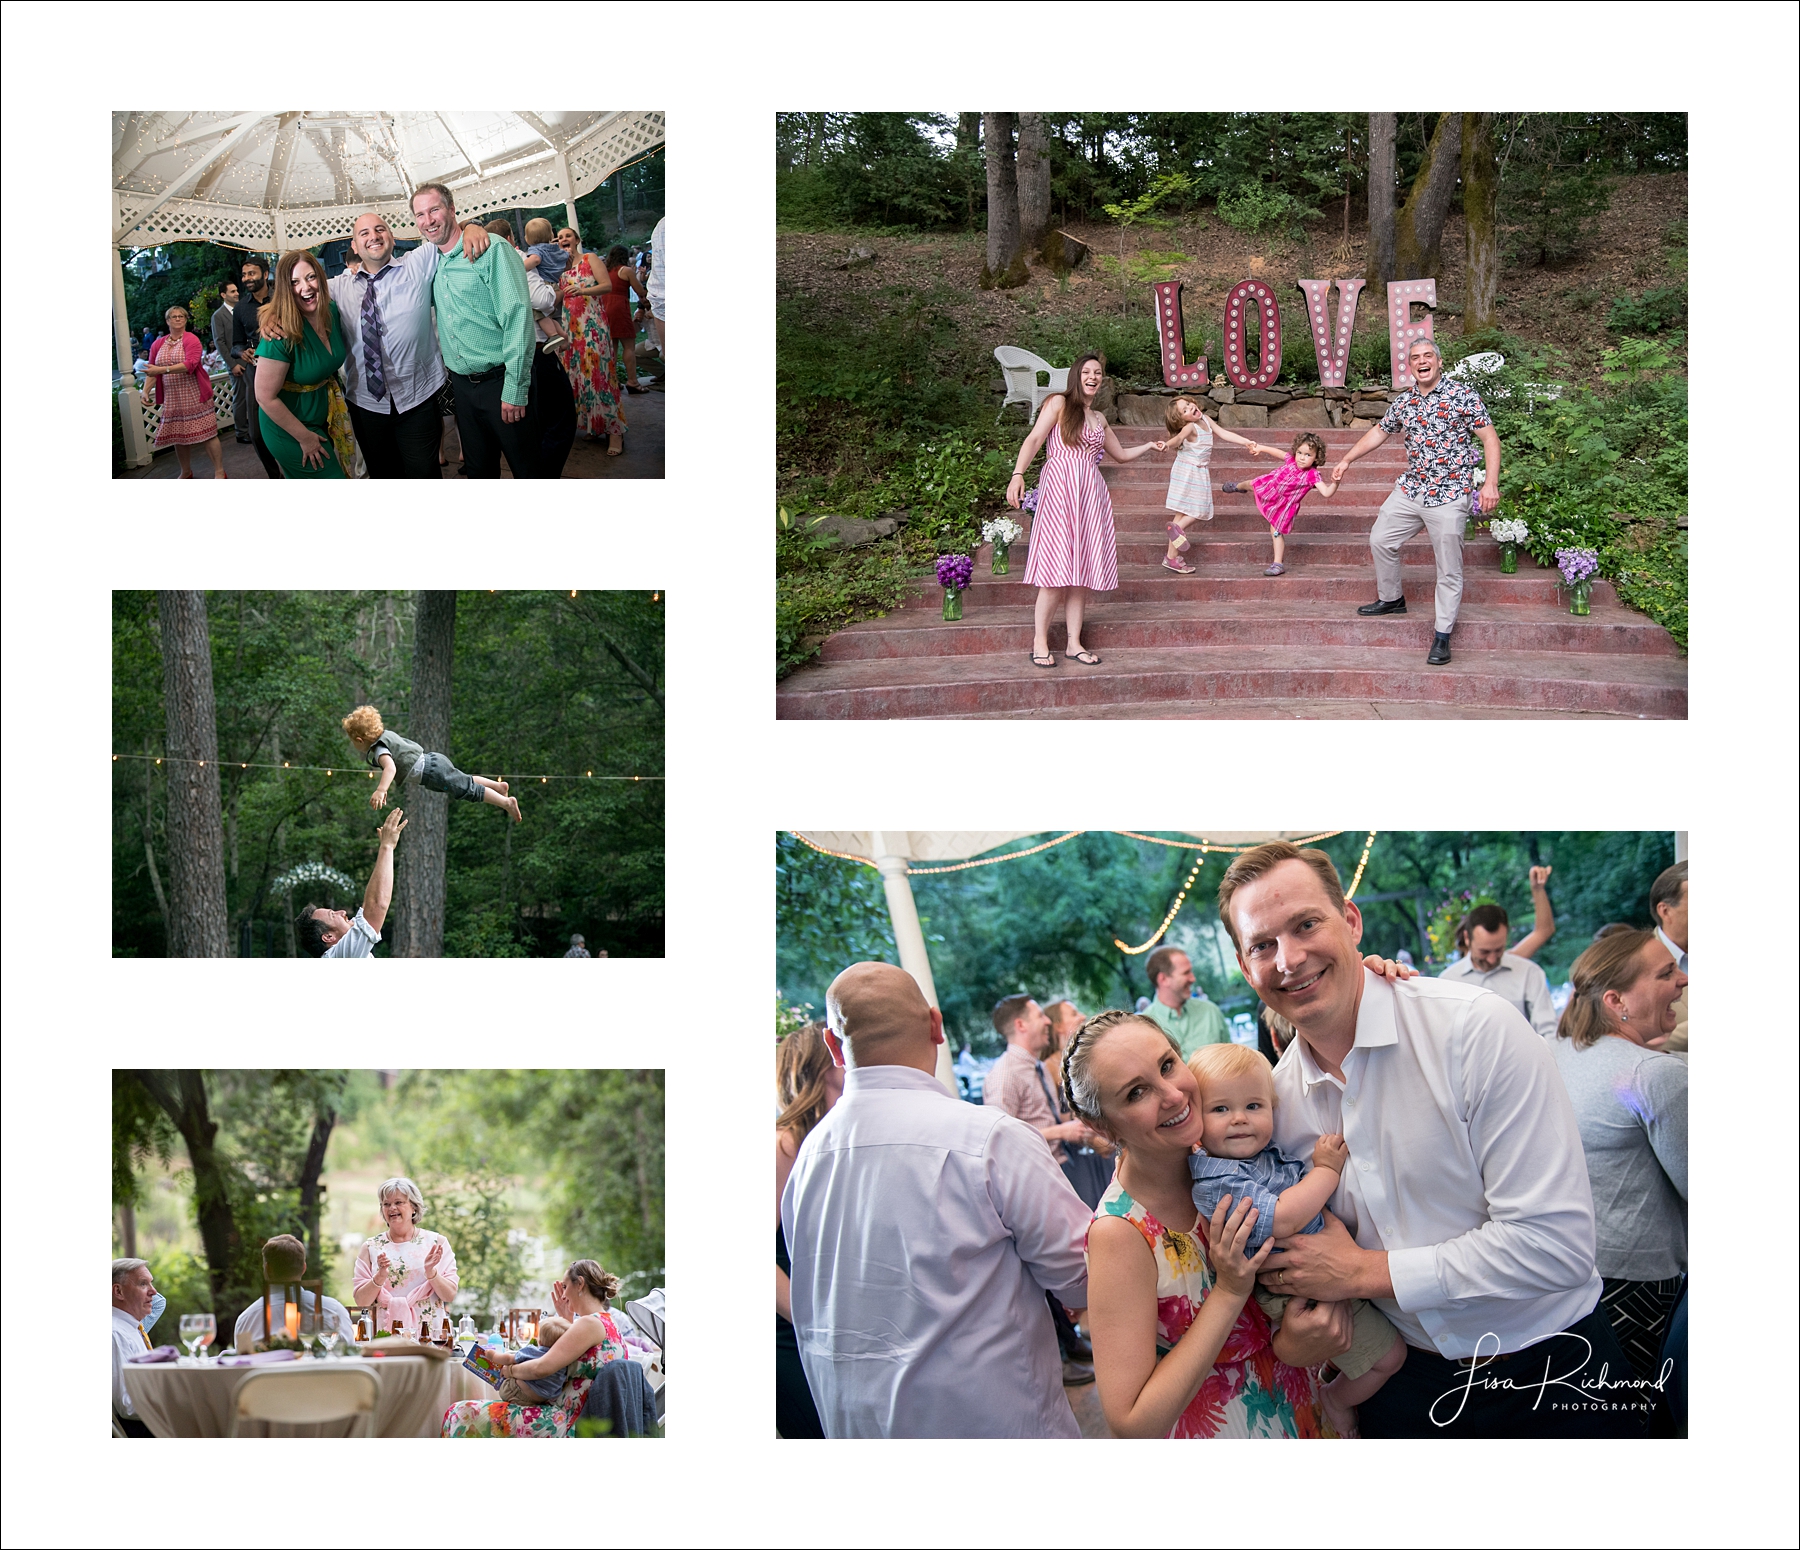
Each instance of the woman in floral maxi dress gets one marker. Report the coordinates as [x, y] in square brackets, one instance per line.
[593, 1338]
[1180, 1347]
[583, 288]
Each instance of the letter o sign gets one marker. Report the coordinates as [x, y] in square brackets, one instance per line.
[1243, 296]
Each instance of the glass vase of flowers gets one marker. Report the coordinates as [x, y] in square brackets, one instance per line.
[1002, 533]
[954, 572]
[1578, 567]
[1509, 533]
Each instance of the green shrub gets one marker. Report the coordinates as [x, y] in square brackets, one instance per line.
[1659, 308]
[1129, 343]
[1262, 207]
[820, 588]
[948, 482]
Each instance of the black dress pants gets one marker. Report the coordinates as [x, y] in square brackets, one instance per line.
[1432, 1396]
[270, 466]
[554, 401]
[400, 446]
[485, 436]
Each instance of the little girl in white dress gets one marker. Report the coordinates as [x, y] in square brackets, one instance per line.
[1190, 479]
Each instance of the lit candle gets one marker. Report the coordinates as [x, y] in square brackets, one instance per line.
[292, 1313]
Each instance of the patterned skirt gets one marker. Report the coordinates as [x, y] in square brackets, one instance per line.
[1190, 485]
[592, 374]
[187, 417]
[1073, 540]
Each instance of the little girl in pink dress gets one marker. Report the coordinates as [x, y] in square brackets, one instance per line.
[1279, 493]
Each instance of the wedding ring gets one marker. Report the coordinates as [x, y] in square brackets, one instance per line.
[1281, 1278]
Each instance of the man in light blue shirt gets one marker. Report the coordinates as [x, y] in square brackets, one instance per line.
[393, 370]
[1490, 966]
[1188, 1020]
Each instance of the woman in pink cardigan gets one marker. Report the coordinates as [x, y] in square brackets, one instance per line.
[184, 394]
[407, 1274]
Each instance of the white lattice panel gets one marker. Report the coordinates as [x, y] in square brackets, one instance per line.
[193, 220]
[152, 411]
[596, 159]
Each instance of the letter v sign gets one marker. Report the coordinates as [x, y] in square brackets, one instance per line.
[1333, 357]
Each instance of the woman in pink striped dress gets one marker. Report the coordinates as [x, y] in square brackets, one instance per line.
[1073, 544]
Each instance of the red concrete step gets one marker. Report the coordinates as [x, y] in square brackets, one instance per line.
[1212, 680]
[1281, 710]
[1350, 584]
[1300, 625]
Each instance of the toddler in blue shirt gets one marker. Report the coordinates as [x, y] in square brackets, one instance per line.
[1237, 1157]
[542, 252]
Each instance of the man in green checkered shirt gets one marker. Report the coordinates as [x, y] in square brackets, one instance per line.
[1189, 1022]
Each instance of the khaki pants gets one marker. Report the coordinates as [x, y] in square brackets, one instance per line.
[1399, 518]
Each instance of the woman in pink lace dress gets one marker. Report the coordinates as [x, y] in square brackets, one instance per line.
[184, 394]
[1180, 1347]
[1074, 548]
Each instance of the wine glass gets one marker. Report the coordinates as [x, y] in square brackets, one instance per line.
[328, 1338]
[308, 1332]
[190, 1334]
[209, 1329]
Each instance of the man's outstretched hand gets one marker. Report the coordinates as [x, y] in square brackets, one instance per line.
[391, 827]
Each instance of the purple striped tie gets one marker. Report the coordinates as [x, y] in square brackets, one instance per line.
[371, 337]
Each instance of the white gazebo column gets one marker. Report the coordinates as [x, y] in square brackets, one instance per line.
[909, 938]
[1681, 844]
[568, 191]
[121, 323]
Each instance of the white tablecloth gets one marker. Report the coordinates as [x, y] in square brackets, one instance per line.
[199, 1401]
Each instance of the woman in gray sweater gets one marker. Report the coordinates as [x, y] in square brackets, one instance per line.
[1630, 1101]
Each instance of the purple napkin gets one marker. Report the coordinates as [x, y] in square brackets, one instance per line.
[162, 1353]
[261, 1359]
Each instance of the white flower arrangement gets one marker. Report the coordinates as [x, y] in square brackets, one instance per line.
[1001, 530]
[1508, 530]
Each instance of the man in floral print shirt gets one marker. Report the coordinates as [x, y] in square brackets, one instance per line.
[1438, 420]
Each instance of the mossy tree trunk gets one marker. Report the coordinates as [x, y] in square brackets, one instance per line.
[1481, 199]
[1419, 227]
[1005, 265]
[1381, 200]
[418, 912]
[196, 901]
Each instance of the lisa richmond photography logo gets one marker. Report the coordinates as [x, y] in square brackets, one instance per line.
[1577, 1391]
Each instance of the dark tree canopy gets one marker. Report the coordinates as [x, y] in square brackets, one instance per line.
[1045, 924]
[542, 683]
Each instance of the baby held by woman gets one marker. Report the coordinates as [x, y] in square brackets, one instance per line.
[537, 1391]
[1236, 1157]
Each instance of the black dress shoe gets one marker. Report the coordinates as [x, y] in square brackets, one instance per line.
[1381, 606]
[244, 439]
[1076, 1373]
[1078, 1350]
[1440, 650]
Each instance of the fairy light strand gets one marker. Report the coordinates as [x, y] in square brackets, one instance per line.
[1204, 846]
[1368, 845]
[1168, 919]
[334, 769]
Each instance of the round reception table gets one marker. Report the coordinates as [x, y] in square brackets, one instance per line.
[182, 1401]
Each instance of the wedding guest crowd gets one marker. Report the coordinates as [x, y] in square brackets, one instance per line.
[1514, 1199]
[353, 374]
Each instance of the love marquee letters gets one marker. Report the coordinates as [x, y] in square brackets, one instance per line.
[1331, 347]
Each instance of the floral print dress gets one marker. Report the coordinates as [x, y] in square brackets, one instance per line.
[591, 371]
[496, 1418]
[1250, 1392]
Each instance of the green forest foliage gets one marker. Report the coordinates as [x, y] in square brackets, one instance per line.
[1045, 925]
[574, 1155]
[535, 691]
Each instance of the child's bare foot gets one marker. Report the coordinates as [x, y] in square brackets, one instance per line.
[511, 804]
[1341, 1418]
[502, 787]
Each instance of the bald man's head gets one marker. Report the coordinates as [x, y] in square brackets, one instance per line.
[879, 1017]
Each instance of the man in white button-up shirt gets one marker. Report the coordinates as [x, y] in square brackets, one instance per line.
[133, 1292]
[1514, 979]
[1469, 1215]
[924, 1233]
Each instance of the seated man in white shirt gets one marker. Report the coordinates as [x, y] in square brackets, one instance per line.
[923, 1234]
[133, 1293]
[284, 1260]
[333, 934]
[1469, 1217]
[1512, 977]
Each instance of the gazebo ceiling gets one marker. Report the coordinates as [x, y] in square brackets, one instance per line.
[955, 845]
[267, 179]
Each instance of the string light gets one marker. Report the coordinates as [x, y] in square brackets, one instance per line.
[332, 770]
[1203, 846]
[1011, 855]
[1168, 919]
[1368, 845]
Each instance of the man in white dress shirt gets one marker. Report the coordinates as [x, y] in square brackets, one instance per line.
[1668, 907]
[333, 934]
[284, 1261]
[133, 1291]
[1465, 1212]
[924, 1233]
[393, 370]
[1515, 980]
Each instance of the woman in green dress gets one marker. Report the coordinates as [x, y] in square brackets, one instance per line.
[305, 424]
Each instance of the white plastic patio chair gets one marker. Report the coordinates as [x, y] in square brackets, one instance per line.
[1484, 363]
[309, 1398]
[1021, 368]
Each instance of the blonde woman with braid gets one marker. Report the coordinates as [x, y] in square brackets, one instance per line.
[1630, 1100]
[807, 1083]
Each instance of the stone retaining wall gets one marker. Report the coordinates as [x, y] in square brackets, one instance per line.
[1256, 408]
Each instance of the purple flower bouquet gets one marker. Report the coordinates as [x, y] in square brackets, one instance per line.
[955, 571]
[1028, 501]
[1577, 565]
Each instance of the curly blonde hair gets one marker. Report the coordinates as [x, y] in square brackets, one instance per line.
[363, 725]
